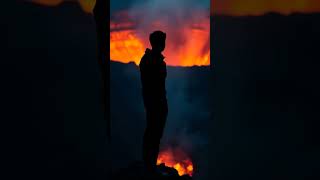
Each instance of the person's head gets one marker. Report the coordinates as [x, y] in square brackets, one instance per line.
[158, 41]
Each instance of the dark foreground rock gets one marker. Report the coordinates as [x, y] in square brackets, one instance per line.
[136, 171]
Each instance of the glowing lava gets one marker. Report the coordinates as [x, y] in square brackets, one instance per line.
[126, 47]
[177, 159]
[186, 45]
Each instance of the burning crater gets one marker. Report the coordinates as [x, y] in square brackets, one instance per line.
[177, 159]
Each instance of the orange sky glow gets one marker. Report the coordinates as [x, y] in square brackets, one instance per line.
[260, 7]
[231, 7]
[127, 44]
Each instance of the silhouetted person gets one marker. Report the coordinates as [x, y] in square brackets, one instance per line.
[153, 75]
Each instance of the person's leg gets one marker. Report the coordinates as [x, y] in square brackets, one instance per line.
[160, 121]
[156, 119]
[149, 141]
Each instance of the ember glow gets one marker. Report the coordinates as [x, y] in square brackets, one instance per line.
[177, 159]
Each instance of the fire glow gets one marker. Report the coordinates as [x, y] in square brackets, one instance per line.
[127, 44]
[176, 159]
[186, 45]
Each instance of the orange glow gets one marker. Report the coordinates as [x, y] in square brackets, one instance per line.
[86, 5]
[186, 45]
[260, 7]
[177, 159]
[126, 47]
[191, 55]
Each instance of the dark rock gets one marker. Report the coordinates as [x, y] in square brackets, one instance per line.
[137, 171]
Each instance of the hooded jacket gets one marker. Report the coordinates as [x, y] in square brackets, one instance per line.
[153, 74]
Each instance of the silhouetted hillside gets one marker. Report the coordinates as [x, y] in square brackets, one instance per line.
[50, 94]
[266, 96]
[136, 171]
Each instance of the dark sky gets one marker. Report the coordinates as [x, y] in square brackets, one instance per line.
[120, 5]
[125, 4]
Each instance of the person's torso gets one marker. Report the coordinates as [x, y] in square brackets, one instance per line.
[153, 76]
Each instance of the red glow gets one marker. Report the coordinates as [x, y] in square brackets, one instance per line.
[177, 159]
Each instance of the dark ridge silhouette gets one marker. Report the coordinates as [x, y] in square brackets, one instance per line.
[137, 171]
[265, 96]
[50, 94]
